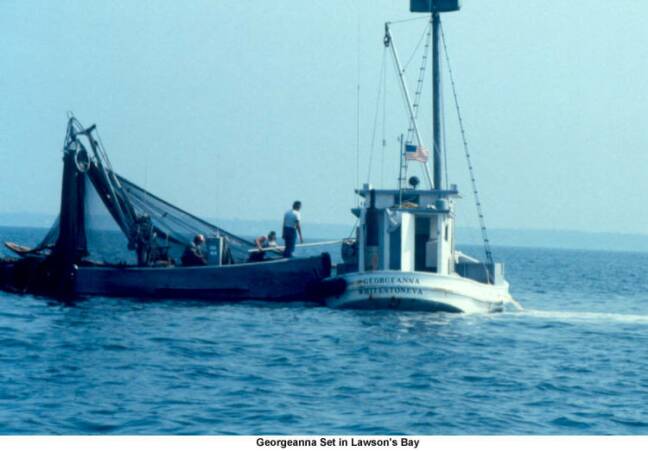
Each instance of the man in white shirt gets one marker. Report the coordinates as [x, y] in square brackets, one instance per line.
[292, 227]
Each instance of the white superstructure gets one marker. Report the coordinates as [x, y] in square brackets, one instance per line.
[403, 255]
[405, 258]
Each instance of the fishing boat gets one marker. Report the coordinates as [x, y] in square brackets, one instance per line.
[114, 238]
[403, 255]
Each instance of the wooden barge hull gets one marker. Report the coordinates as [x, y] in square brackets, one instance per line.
[278, 280]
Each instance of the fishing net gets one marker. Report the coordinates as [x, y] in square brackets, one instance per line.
[176, 228]
[111, 239]
[112, 220]
[106, 242]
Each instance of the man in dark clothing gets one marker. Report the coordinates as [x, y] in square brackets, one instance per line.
[193, 255]
[143, 240]
[263, 244]
[292, 227]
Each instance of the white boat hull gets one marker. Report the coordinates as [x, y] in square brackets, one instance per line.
[420, 291]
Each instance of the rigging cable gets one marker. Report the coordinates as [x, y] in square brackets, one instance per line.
[480, 214]
[408, 20]
[358, 138]
[384, 127]
[427, 33]
[445, 144]
[375, 123]
[357, 184]
[421, 79]
[412, 107]
[418, 45]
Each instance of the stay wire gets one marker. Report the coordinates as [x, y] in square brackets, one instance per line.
[445, 143]
[358, 111]
[471, 171]
[408, 20]
[384, 131]
[420, 83]
[418, 45]
[375, 122]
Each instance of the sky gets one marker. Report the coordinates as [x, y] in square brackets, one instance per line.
[233, 109]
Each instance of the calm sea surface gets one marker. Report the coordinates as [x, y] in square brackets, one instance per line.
[575, 361]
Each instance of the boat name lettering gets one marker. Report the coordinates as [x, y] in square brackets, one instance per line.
[390, 280]
[370, 291]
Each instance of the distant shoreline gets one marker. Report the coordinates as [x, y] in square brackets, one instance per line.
[549, 239]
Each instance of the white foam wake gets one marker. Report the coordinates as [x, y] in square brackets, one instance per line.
[585, 316]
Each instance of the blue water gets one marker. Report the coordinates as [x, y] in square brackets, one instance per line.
[575, 361]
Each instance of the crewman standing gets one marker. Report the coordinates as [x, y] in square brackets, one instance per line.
[292, 227]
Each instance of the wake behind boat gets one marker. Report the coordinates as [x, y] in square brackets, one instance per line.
[113, 238]
[404, 255]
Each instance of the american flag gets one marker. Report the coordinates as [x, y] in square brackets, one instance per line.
[417, 153]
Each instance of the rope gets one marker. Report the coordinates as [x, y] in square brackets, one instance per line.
[471, 171]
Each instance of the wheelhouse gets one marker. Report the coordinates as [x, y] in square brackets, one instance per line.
[412, 230]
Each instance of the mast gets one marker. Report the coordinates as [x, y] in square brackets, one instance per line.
[436, 102]
[71, 243]
[435, 8]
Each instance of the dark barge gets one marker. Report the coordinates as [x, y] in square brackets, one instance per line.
[113, 238]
